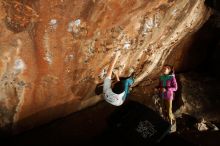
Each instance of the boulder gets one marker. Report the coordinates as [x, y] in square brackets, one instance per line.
[54, 53]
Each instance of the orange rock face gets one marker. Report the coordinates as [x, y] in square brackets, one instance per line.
[53, 53]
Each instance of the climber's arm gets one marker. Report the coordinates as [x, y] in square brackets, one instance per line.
[111, 67]
[117, 75]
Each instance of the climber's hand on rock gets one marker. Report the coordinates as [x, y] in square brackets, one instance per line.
[118, 53]
[163, 90]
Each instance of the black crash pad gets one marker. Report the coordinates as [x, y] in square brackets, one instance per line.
[135, 124]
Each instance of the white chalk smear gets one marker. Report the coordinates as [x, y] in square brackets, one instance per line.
[127, 45]
[53, 23]
[77, 22]
[19, 65]
[72, 26]
[174, 12]
[48, 57]
[69, 58]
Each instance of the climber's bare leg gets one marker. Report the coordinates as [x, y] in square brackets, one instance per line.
[112, 65]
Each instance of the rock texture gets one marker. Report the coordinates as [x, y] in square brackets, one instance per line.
[54, 53]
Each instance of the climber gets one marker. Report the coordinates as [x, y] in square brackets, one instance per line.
[167, 86]
[116, 95]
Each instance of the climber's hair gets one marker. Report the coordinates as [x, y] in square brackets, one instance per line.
[170, 67]
[119, 87]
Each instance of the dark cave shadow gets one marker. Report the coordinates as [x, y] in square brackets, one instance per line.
[178, 101]
[99, 89]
